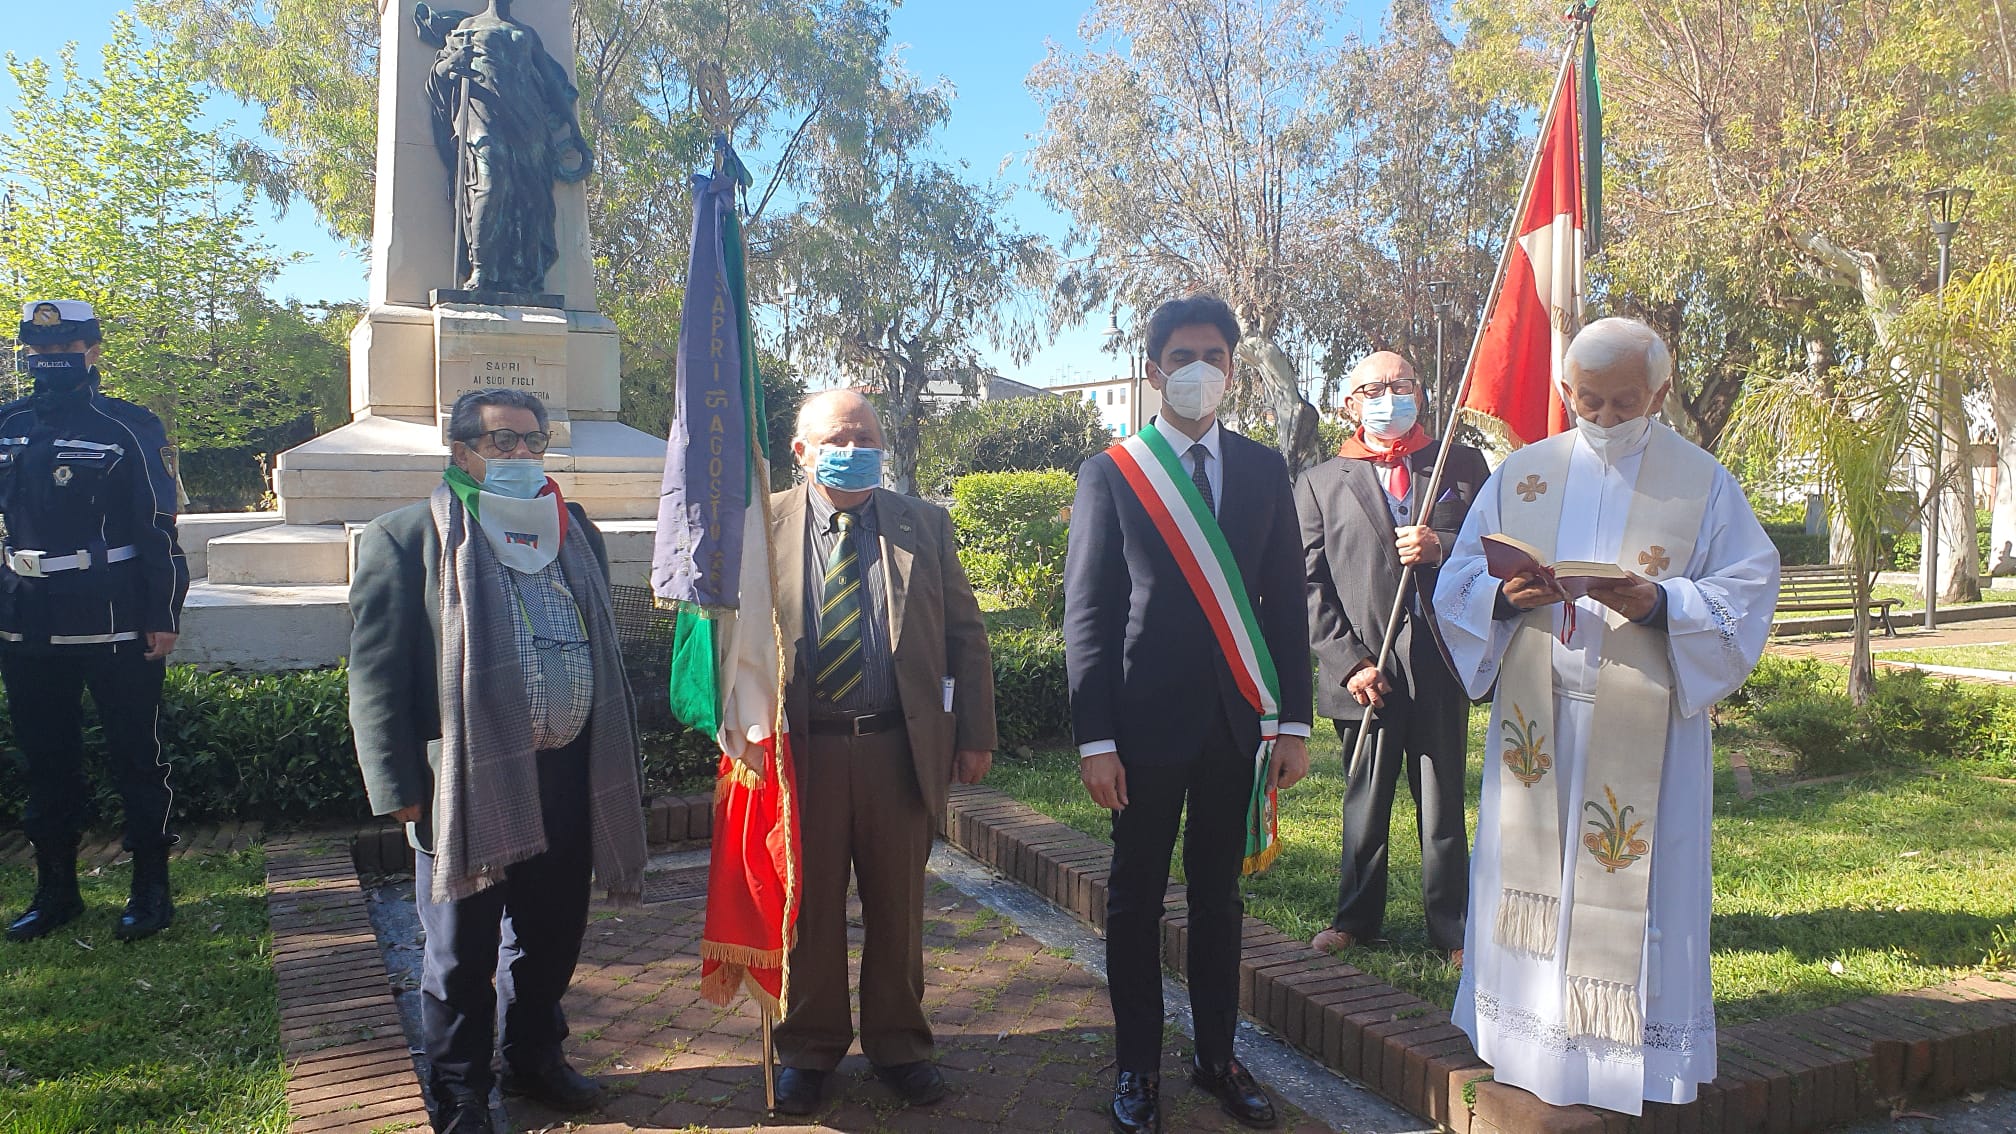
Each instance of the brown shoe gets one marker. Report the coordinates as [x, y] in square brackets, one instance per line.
[1456, 959]
[1332, 941]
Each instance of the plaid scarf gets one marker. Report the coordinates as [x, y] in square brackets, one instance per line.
[486, 807]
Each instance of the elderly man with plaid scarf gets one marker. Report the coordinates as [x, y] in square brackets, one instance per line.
[493, 717]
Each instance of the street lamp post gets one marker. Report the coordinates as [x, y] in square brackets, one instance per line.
[1441, 293]
[1116, 343]
[1947, 207]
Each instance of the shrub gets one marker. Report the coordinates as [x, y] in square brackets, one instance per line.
[1009, 435]
[277, 747]
[1795, 545]
[1011, 529]
[1032, 695]
[1911, 718]
[241, 745]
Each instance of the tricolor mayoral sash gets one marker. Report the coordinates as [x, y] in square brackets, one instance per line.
[1151, 469]
[1626, 740]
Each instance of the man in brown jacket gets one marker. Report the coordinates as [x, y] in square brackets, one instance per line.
[891, 697]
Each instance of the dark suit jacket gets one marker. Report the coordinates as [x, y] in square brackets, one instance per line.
[1353, 570]
[935, 632]
[1143, 662]
[395, 650]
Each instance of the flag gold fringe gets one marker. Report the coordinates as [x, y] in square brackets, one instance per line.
[1258, 863]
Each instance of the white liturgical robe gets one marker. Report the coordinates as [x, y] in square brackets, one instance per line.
[1718, 615]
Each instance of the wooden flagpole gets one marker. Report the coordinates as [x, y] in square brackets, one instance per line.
[769, 1063]
[1581, 15]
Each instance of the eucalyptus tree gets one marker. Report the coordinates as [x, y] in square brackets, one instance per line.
[1199, 146]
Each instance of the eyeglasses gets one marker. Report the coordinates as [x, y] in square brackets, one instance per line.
[565, 647]
[506, 440]
[1378, 389]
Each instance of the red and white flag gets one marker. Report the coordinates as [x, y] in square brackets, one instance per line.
[1517, 366]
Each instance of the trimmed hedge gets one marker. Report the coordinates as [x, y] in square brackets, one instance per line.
[277, 746]
[1795, 545]
[268, 746]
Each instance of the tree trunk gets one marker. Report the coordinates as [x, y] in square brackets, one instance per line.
[900, 434]
[1861, 666]
[2002, 528]
[1294, 417]
[1959, 567]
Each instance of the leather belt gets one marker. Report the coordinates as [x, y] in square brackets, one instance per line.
[36, 564]
[867, 724]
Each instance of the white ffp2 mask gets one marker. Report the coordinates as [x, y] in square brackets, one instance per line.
[1194, 391]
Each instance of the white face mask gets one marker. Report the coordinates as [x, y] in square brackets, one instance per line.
[1194, 391]
[1613, 441]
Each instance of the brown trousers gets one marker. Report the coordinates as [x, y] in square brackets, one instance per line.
[861, 808]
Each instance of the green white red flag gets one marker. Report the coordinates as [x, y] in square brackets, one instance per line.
[715, 566]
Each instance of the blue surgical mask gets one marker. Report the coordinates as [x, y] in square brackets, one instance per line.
[1388, 416]
[521, 479]
[851, 469]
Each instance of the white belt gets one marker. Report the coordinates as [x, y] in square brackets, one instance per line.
[36, 564]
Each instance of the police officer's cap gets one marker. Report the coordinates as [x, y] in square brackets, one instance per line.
[46, 322]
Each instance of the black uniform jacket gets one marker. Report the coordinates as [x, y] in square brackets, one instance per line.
[89, 474]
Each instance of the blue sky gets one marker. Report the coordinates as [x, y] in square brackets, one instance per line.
[984, 50]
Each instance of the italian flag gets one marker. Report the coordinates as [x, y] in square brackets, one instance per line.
[715, 567]
[1516, 368]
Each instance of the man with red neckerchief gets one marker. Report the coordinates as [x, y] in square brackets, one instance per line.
[1364, 518]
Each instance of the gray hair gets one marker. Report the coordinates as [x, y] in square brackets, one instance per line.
[1373, 361]
[1606, 342]
[810, 409]
[465, 421]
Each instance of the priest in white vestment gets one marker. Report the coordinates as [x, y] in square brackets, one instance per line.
[1586, 976]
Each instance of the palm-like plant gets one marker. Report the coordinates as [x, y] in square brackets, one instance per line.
[1859, 428]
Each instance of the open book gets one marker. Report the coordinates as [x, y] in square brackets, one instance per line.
[1507, 557]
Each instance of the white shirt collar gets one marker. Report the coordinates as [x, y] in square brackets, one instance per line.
[1181, 442]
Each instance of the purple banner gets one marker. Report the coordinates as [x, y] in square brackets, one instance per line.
[701, 505]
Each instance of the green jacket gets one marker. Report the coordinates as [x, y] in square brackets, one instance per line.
[395, 647]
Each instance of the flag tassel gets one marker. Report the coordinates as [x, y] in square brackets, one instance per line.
[1526, 188]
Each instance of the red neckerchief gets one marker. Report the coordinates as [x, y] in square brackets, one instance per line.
[1410, 442]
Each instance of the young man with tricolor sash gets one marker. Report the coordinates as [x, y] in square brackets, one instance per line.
[1187, 642]
[1586, 962]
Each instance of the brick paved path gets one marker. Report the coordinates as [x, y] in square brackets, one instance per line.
[1025, 1036]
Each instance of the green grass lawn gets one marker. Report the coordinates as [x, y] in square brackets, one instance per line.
[1903, 880]
[180, 1032]
[1998, 656]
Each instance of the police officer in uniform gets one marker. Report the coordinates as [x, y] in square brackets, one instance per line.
[91, 593]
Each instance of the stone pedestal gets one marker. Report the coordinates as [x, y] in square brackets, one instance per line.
[479, 347]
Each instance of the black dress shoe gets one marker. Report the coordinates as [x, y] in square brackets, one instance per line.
[919, 1083]
[557, 1085]
[798, 1090]
[464, 1117]
[1137, 1104]
[1236, 1092]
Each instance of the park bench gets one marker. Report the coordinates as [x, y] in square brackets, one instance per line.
[1826, 586]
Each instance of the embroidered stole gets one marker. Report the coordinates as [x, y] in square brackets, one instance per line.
[1626, 745]
[1150, 467]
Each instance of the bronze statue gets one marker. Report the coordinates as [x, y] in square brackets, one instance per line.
[504, 123]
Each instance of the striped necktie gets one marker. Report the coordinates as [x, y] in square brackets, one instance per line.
[840, 616]
[1198, 454]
